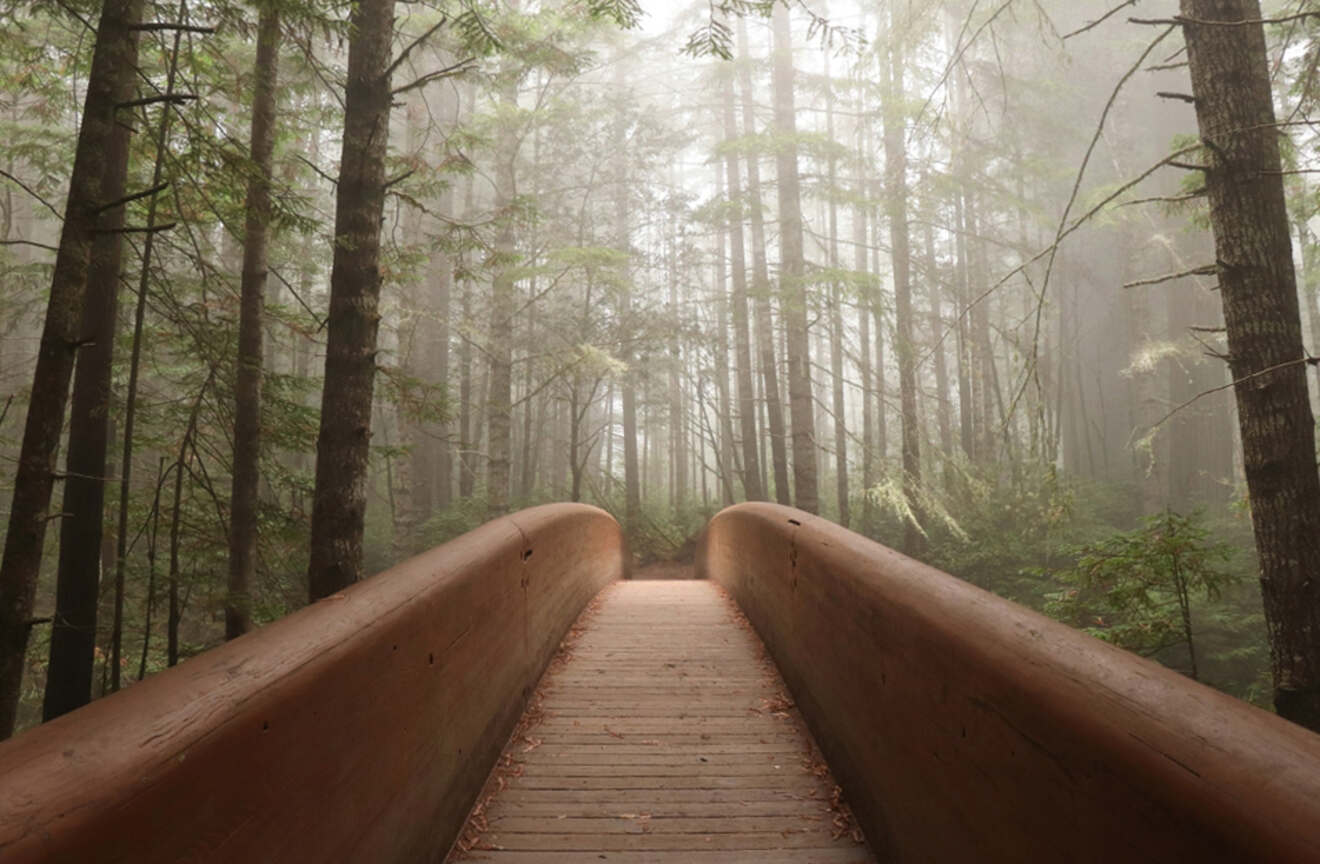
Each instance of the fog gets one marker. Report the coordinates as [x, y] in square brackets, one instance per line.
[941, 272]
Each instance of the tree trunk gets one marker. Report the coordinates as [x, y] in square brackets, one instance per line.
[896, 181]
[73, 630]
[724, 443]
[247, 387]
[836, 321]
[35, 474]
[344, 443]
[631, 480]
[792, 272]
[1235, 113]
[678, 458]
[443, 276]
[134, 371]
[864, 357]
[942, 413]
[751, 474]
[765, 334]
[878, 319]
[499, 346]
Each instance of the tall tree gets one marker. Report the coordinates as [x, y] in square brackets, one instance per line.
[836, 318]
[252, 296]
[631, 476]
[741, 332]
[343, 444]
[792, 271]
[896, 188]
[765, 334]
[86, 208]
[1243, 177]
[499, 406]
[73, 628]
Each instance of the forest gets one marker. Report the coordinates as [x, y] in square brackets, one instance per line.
[294, 290]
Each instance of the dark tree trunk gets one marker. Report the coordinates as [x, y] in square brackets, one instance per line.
[1235, 113]
[343, 445]
[35, 474]
[792, 273]
[73, 630]
[247, 387]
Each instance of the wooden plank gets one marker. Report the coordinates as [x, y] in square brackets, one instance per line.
[557, 808]
[788, 838]
[646, 822]
[791, 856]
[665, 737]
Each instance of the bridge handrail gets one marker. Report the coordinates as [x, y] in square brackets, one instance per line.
[964, 727]
[358, 729]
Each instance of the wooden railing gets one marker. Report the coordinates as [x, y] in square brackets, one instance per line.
[964, 727]
[358, 729]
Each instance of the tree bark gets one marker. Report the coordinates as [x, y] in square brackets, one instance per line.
[134, 373]
[1235, 114]
[73, 629]
[792, 273]
[35, 474]
[765, 333]
[247, 386]
[632, 489]
[499, 405]
[896, 181]
[837, 335]
[864, 356]
[725, 438]
[942, 413]
[746, 394]
[343, 445]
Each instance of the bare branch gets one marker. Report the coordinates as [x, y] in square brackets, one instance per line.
[1206, 270]
[21, 185]
[128, 199]
[448, 72]
[403, 55]
[1102, 19]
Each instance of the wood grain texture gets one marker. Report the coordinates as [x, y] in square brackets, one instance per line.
[662, 734]
[966, 728]
[358, 729]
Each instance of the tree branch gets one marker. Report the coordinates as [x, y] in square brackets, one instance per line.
[403, 55]
[21, 185]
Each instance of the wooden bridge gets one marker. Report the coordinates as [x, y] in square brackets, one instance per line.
[512, 696]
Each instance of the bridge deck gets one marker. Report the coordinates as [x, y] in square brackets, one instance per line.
[661, 733]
